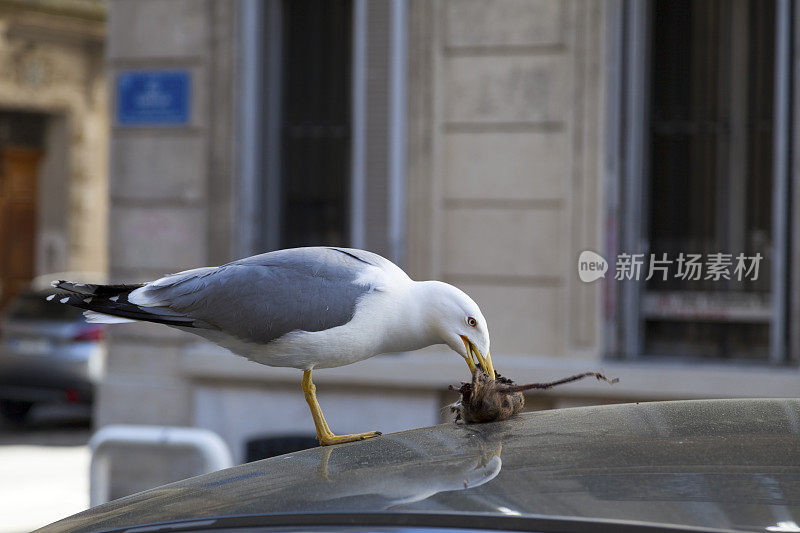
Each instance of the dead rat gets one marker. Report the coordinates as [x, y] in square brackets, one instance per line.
[491, 400]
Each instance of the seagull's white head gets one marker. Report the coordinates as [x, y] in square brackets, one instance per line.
[456, 320]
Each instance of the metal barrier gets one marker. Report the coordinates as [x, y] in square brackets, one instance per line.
[216, 454]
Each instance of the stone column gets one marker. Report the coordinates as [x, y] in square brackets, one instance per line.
[161, 208]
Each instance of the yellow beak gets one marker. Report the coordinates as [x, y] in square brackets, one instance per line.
[475, 358]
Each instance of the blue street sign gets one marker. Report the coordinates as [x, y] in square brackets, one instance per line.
[153, 98]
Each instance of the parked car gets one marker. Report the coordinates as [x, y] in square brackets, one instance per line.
[663, 466]
[48, 353]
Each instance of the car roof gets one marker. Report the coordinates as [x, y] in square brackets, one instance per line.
[728, 464]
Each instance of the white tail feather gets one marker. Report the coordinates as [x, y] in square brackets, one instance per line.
[93, 317]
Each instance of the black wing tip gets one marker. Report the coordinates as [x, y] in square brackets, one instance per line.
[73, 287]
[73, 299]
[345, 252]
[116, 308]
[92, 289]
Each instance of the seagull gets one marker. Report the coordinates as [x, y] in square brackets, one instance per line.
[306, 308]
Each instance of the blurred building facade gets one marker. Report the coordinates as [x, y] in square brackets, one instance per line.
[53, 140]
[486, 143]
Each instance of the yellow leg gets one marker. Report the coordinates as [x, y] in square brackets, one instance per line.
[324, 434]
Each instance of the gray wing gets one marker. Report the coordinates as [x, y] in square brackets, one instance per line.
[261, 298]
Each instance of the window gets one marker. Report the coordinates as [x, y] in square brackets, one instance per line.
[702, 159]
[315, 130]
[300, 107]
[322, 125]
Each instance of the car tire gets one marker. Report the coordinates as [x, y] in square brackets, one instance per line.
[15, 411]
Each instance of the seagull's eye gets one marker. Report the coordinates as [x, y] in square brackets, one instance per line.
[471, 322]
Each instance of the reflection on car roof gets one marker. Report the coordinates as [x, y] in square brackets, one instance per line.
[731, 464]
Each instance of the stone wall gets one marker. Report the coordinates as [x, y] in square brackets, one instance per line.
[505, 163]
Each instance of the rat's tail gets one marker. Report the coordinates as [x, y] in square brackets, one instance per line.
[576, 377]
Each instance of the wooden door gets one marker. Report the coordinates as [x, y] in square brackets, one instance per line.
[18, 187]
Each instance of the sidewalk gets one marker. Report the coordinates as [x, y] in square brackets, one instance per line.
[44, 474]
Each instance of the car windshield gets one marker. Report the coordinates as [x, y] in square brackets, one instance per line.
[33, 306]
